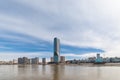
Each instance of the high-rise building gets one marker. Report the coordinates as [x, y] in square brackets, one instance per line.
[35, 60]
[98, 56]
[62, 59]
[26, 60]
[56, 50]
[23, 60]
[29, 61]
[20, 61]
[43, 60]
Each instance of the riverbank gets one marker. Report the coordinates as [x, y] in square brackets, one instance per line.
[81, 64]
[106, 64]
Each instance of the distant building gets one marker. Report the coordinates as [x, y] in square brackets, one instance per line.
[15, 61]
[51, 59]
[35, 60]
[107, 60]
[91, 59]
[10, 62]
[62, 59]
[26, 60]
[23, 60]
[1, 62]
[43, 60]
[99, 59]
[115, 60]
[20, 61]
[56, 50]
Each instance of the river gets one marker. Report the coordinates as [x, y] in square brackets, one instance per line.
[58, 72]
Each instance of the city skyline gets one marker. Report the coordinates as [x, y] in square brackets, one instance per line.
[85, 28]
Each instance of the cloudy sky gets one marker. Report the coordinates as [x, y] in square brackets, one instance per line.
[84, 27]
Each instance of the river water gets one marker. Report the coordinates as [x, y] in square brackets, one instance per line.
[59, 72]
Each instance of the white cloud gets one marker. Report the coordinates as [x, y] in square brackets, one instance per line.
[76, 22]
[15, 55]
[80, 55]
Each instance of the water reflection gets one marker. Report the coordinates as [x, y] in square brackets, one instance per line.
[23, 72]
[98, 72]
[23, 69]
[35, 68]
[43, 69]
[58, 72]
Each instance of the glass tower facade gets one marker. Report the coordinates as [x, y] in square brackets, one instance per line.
[56, 50]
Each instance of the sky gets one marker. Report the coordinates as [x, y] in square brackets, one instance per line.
[84, 27]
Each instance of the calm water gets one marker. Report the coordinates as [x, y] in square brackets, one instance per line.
[58, 72]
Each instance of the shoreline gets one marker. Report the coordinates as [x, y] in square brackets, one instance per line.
[80, 64]
[106, 64]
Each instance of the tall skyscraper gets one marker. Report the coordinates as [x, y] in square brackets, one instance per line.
[56, 50]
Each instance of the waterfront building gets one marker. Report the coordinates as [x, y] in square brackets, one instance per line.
[115, 59]
[62, 59]
[91, 59]
[51, 59]
[15, 61]
[23, 60]
[43, 60]
[56, 50]
[35, 60]
[20, 61]
[29, 61]
[10, 62]
[99, 59]
[26, 60]
[1, 62]
[107, 60]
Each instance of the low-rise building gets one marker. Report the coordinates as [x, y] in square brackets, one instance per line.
[62, 59]
[51, 59]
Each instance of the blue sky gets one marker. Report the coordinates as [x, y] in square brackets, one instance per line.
[27, 27]
[24, 43]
